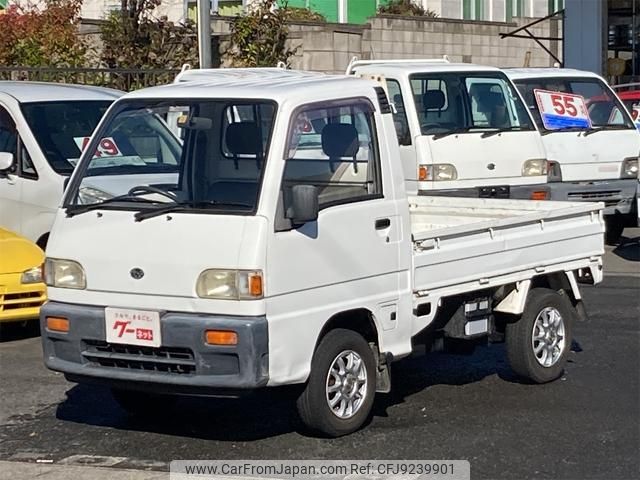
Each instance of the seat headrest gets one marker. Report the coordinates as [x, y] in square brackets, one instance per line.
[433, 100]
[340, 140]
[243, 138]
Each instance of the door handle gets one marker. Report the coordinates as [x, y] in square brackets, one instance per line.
[383, 223]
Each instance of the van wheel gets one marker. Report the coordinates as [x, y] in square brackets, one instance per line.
[143, 404]
[339, 393]
[539, 343]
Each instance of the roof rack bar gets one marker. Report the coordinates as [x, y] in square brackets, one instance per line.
[355, 62]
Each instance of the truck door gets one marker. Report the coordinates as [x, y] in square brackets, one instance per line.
[349, 256]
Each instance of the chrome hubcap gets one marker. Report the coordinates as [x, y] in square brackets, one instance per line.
[346, 384]
[548, 340]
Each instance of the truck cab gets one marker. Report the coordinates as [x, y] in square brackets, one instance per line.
[463, 129]
[593, 161]
[43, 128]
[271, 241]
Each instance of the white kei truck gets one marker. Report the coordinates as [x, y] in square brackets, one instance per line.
[286, 251]
[591, 140]
[463, 129]
[43, 127]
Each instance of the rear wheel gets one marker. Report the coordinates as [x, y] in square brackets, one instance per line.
[338, 396]
[142, 404]
[539, 343]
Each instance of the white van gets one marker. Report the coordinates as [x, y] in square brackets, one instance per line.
[43, 128]
[285, 250]
[463, 129]
[593, 157]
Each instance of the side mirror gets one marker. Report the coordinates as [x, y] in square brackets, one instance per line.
[303, 207]
[6, 162]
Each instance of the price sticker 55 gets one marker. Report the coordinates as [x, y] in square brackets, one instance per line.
[562, 110]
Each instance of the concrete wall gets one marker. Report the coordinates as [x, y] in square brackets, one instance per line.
[328, 47]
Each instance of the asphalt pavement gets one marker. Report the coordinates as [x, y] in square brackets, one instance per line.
[586, 425]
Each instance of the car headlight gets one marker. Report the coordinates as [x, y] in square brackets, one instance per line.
[554, 172]
[230, 284]
[64, 274]
[629, 168]
[89, 195]
[438, 172]
[534, 167]
[33, 275]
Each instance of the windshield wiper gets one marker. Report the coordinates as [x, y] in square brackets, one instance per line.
[491, 133]
[564, 129]
[605, 127]
[186, 206]
[438, 136]
[73, 210]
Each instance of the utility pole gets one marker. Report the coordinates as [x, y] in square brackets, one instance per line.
[204, 33]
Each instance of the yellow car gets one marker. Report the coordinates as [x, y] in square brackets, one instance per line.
[22, 290]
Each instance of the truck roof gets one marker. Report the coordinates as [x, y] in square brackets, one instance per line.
[522, 73]
[25, 92]
[260, 83]
[398, 68]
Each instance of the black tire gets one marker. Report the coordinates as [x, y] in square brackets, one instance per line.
[519, 336]
[143, 404]
[313, 406]
[614, 229]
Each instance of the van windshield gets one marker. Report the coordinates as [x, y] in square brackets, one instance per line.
[461, 102]
[605, 109]
[184, 154]
[62, 128]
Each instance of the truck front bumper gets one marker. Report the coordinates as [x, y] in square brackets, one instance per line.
[183, 364]
[618, 195]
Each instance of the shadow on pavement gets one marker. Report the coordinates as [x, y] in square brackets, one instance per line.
[19, 330]
[271, 412]
[629, 249]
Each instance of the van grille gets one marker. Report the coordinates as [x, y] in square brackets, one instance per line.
[609, 197]
[133, 357]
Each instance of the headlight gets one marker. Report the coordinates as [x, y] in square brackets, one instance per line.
[438, 172]
[89, 195]
[554, 173]
[230, 284]
[33, 275]
[630, 168]
[64, 274]
[534, 167]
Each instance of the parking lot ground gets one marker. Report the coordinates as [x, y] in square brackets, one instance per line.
[586, 425]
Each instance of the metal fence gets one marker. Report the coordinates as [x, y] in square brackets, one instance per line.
[122, 79]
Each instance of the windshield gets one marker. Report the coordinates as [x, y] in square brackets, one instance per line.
[197, 154]
[457, 102]
[605, 109]
[61, 128]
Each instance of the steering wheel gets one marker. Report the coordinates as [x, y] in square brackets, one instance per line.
[149, 189]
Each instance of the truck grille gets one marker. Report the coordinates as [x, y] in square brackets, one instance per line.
[10, 302]
[609, 197]
[132, 357]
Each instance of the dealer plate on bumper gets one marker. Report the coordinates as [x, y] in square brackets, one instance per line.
[132, 327]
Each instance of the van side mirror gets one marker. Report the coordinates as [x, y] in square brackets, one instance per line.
[6, 162]
[303, 207]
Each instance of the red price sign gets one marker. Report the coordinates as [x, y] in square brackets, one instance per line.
[106, 148]
[562, 110]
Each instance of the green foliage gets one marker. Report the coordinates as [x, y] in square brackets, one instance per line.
[297, 14]
[134, 38]
[45, 34]
[258, 38]
[407, 8]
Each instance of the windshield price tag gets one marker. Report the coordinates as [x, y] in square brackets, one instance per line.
[106, 148]
[562, 110]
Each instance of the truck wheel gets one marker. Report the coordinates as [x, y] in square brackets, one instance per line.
[338, 396]
[142, 404]
[539, 343]
[613, 230]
